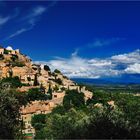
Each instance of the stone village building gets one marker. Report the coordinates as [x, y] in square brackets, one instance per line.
[9, 50]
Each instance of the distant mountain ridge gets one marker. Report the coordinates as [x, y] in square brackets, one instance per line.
[125, 79]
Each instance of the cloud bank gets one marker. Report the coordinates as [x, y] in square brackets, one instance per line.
[78, 67]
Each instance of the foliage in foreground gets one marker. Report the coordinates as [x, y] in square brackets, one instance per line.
[91, 122]
[10, 124]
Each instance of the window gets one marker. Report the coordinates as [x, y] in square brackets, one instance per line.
[55, 96]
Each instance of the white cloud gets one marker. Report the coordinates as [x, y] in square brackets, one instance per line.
[127, 57]
[76, 66]
[134, 69]
[18, 32]
[30, 20]
[4, 20]
[34, 15]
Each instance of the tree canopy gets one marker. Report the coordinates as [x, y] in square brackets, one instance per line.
[10, 123]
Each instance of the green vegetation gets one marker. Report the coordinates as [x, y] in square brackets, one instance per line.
[56, 88]
[36, 94]
[75, 120]
[36, 81]
[14, 58]
[130, 88]
[47, 68]
[6, 51]
[17, 64]
[73, 99]
[57, 71]
[58, 81]
[13, 82]
[49, 92]
[10, 124]
[38, 122]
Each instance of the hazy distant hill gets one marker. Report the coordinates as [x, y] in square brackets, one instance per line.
[125, 79]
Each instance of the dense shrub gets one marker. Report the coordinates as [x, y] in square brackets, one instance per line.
[10, 123]
[73, 99]
[49, 93]
[72, 121]
[6, 51]
[36, 94]
[57, 71]
[17, 64]
[14, 82]
[47, 68]
[14, 58]
[58, 81]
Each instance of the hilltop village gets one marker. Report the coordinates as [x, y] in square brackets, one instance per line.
[15, 64]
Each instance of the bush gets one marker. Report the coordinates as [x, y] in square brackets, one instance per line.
[71, 121]
[49, 92]
[36, 94]
[59, 81]
[47, 68]
[14, 58]
[57, 71]
[13, 81]
[38, 119]
[73, 99]
[17, 64]
[10, 123]
[6, 51]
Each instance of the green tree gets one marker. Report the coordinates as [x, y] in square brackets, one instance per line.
[14, 58]
[58, 81]
[59, 110]
[73, 99]
[57, 71]
[47, 68]
[42, 88]
[66, 126]
[49, 92]
[13, 81]
[41, 135]
[10, 123]
[36, 80]
[36, 94]
[6, 51]
[38, 121]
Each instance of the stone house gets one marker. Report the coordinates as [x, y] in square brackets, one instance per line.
[11, 51]
[58, 95]
[35, 107]
[28, 78]
[1, 50]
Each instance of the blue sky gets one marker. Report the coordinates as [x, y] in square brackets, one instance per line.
[83, 39]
